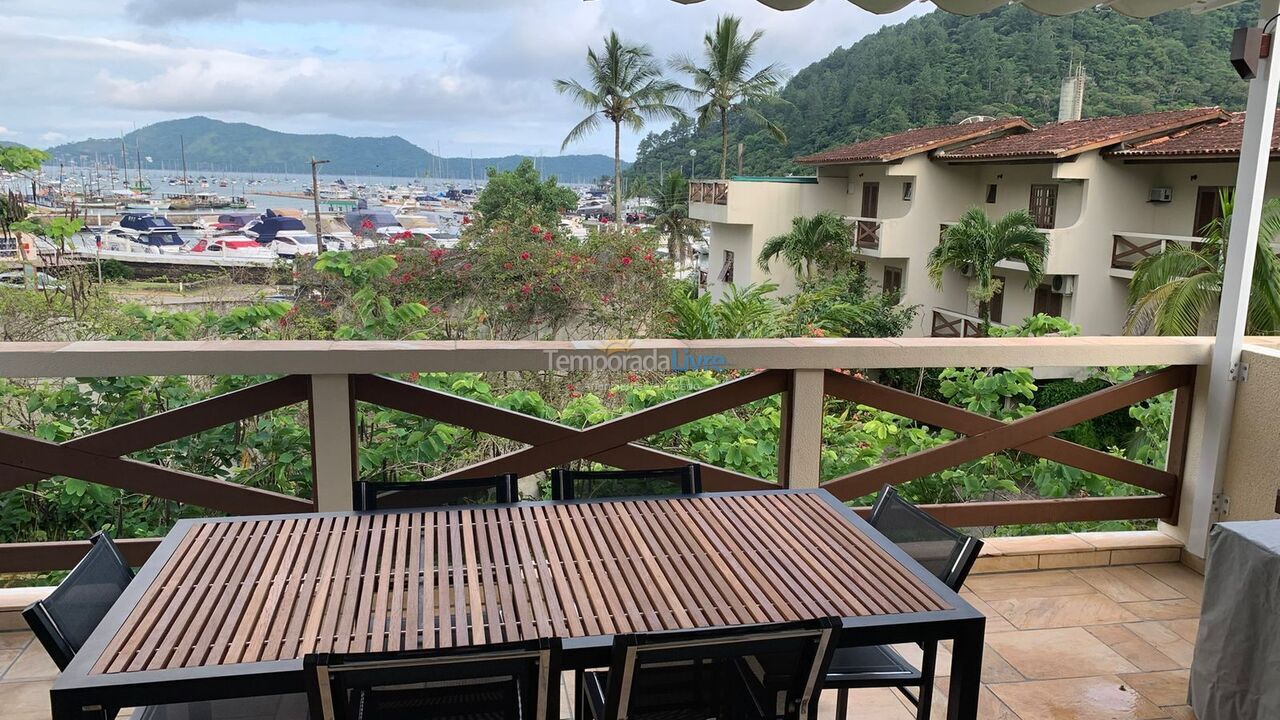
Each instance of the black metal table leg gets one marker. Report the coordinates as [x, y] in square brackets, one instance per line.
[966, 670]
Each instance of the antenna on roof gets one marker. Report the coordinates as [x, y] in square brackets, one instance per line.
[1071, 102]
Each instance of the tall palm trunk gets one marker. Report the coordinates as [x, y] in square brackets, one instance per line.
[724, 141]
[619, 215]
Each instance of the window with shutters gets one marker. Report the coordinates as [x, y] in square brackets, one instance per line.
[1044, 205]
[892, 283]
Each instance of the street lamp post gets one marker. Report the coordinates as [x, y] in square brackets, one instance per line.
[693, 158]
[315, 198]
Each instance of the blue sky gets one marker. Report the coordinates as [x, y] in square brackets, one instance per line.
[469, 76]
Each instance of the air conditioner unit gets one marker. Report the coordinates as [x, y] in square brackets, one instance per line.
[1161, 195]
[1063, 284]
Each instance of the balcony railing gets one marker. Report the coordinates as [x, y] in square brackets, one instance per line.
[866, 232]
[714, 193]
[952, 324]
[1129, 248]
[329, 378]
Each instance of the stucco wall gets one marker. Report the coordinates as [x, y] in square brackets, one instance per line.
[1252, 475]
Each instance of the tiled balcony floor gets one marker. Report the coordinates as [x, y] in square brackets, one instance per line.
[1107, 643]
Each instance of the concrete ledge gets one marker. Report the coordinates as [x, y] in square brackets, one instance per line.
[13, 600]
[1087, 549]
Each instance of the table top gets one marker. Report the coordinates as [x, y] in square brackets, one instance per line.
[248, 590]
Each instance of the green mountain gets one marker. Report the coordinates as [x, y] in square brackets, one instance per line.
[941, 68]
[240, 146]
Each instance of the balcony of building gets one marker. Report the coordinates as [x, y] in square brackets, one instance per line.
[1078, 625]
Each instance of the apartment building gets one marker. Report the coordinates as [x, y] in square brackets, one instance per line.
[1106, 191]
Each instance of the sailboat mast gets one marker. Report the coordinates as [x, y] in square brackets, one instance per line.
[124, 161]
[182, 144]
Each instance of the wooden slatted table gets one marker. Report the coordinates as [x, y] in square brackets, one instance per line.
[228, 607]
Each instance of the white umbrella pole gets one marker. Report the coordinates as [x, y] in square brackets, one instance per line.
[1251, 180]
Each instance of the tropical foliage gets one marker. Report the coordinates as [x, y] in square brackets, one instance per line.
[823, 241]
[723, 82]
[1176, 291]
[941, 68]
[975, 244]
[625, 87]
[521, 196]
[669, 203]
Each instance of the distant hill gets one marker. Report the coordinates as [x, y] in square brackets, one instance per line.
[940, 68]
[10, 143]
[245, 147]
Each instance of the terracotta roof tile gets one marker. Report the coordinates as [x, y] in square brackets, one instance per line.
[1065, 139]
[1214, 140]
[910, 142]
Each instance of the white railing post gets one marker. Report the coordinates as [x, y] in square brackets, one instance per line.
[800, 434]
[1251, 180]
[333, 442]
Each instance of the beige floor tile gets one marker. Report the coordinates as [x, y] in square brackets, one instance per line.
[995, 621]
[7, 656]
[1053, 583]
[1179, 577]
[1162, 688]
[1164, 609]
[1165, 639]
[1133, 648]
[1107, 582]
[1142, 581]
[33, 664]
[1092, 698]
[1180, 712]
[16, 640]
[874, 703]
[1186, 628]
[1034, 613]
[1061, 653]
[24, 697]
[989, 706]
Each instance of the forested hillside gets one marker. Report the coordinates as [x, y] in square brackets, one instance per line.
[940, 68]
[246, 147]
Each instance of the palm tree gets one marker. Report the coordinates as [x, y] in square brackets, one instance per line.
[670, 207]
[1177, 291]
[823, 239]
[976, 244]
[725, 83]
[626, 88]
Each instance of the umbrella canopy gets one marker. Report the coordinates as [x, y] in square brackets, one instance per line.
[1132, 8]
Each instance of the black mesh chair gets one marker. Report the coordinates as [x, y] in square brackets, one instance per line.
[63, 621]
[434, 493]
[584, 484]
[761, 671]
[513, 681]
[946, 553]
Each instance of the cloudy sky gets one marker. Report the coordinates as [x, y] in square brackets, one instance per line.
[469, 76]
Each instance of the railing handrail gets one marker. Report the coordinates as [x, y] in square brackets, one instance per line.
[239, 357]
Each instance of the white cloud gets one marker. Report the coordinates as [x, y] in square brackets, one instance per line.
[473, 76]
[53, 138]
[6, 131]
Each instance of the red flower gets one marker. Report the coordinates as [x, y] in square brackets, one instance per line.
[466, 266]
[633, 378]
[626, 260]
[524, 256]
[569, 386]
[507, 265]
[435, 310]
[526, 289]
[575, 394]
[413, 376]
[605, 298]
[648, 257]
[548, 236]
[535, 230]
[555, 288]
[366, 224]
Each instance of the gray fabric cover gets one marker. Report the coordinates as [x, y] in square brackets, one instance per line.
[1236, 671]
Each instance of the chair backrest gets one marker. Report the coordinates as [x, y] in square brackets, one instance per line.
[947, 553]
[434, 493]
[768, 671]
[63, 621]
[511, 680]
[584, 484]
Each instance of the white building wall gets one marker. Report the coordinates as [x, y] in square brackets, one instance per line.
[1097, 198]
